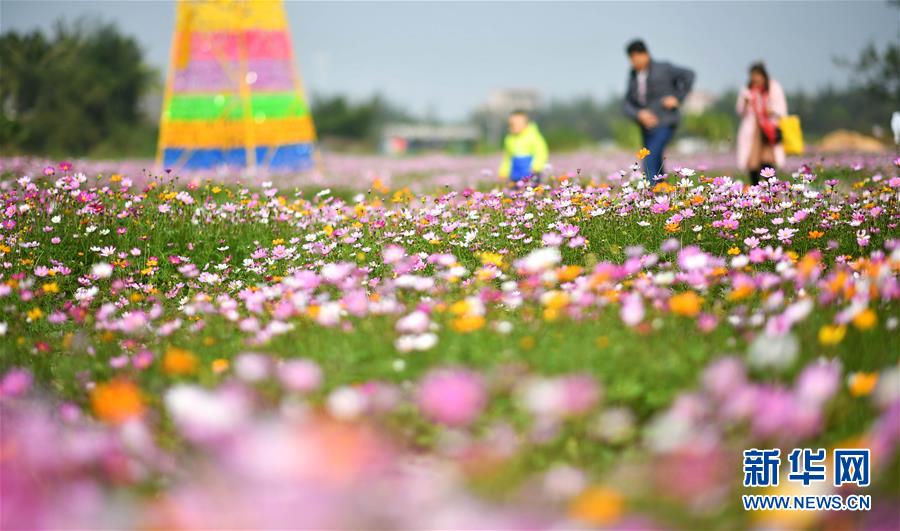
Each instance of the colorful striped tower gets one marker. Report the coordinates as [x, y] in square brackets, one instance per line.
[233, 96]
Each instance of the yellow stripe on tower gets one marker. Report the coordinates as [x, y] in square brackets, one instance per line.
[225, 15]
[231, 133]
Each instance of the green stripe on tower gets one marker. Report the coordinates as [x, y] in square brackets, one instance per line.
[228, 107]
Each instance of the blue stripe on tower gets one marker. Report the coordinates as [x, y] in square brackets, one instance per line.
[283, 157]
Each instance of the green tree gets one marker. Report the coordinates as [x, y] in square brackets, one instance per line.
[72, 92]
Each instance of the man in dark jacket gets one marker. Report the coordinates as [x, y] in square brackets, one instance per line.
[655, 91]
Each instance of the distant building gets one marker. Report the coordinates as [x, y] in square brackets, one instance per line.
[698, 101]
[400, 139]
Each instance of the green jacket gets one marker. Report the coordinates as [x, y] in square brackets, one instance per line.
[524, 154]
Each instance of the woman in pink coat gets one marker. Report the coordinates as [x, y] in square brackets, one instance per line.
[760, 105]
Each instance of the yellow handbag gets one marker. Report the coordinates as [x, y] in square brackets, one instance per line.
[791, 134]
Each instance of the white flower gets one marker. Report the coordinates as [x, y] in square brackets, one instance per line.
[503, 327]
[346, 403]
[887, 391]
[252, 367]
[102, 270]
[540, 260]
[84, 294]
[418, 342]
[203, 413]
[776, 351]
[329, 314]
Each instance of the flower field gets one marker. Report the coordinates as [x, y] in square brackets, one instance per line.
[180, 352]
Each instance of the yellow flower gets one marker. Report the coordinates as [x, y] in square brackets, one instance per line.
[34, 314]
[491, 259]
[734, 251]
[117, 401]
[686, 304]
[115, 178]
[602, 341]
[179, 362]
[642, 154]
[830, 335]
[527, 343]
[50, 287]
[467, 323]
[865, 319]
[862, 383]
[459, 308]
[599, 506]
[673, 227]
[555, 300]
[328, 229]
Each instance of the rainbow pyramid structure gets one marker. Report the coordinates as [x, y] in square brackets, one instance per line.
[233, 96]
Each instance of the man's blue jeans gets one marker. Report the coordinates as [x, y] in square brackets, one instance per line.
[655, 140]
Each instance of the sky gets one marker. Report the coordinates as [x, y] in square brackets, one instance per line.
[444, 58]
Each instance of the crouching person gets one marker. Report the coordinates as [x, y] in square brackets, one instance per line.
[524, 150]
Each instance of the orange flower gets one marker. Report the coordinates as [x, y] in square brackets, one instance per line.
[467, 323]
[663, 188]
[862, 383]
[686, 304]
[642, 154]
[179, 362]
[865, 319]
[815, 234]
[117, 401]
[741, 292]
[673, 227]
[598, 506]
[220, 365]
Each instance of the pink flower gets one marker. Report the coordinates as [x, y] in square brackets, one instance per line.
[453, 397]
[632, 311]
[300, 375]
[577, 241]
[15, 383]
[551, 239]
[818, 382]
[580, 394]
